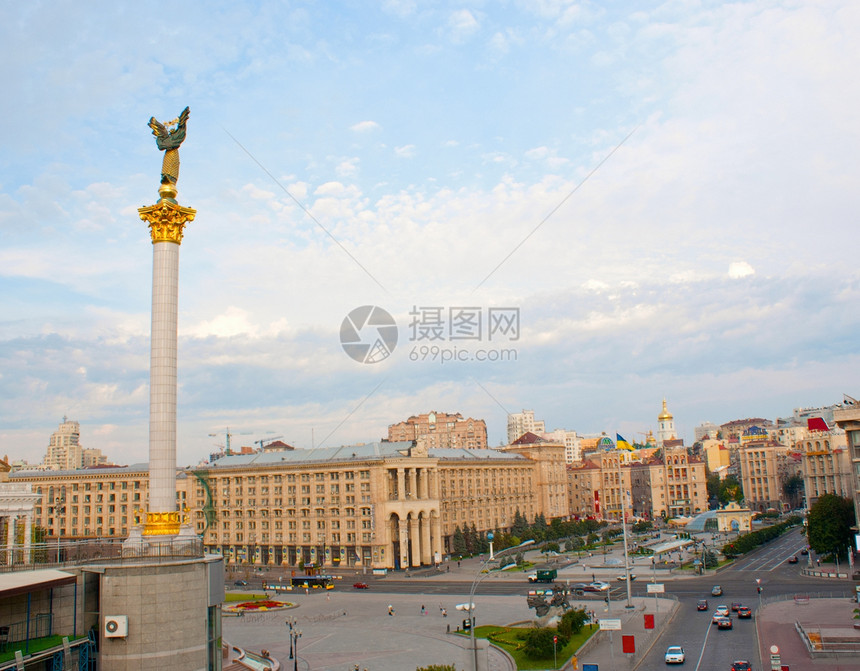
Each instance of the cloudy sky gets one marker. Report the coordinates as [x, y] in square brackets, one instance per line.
[632, 200]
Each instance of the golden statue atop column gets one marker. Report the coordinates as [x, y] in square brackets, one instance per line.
[166, 219]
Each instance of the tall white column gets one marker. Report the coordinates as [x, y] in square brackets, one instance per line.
[162, 377]
[166, 221]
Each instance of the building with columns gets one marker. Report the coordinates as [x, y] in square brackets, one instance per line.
[847, 418]
[17, 505]
[380, 505]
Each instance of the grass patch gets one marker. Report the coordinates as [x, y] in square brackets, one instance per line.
[243, 596]
[512, 640]
[36, 645]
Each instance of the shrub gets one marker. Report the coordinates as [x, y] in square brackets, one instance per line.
[539, 643]
[572, 623]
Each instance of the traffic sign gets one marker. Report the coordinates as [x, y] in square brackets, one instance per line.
[610, 624]
[655, 588]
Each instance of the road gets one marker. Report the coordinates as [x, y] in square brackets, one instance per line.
[710, 649]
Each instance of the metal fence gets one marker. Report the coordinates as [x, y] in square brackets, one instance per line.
[97, 550]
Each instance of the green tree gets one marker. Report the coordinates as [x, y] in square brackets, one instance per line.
[539, 644]
[713, 485]
[521, 526]
[793, 489]
[572, 622]
[458, 541]
[829, 524]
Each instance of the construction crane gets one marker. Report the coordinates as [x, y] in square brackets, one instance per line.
[227, 437]
[262, 442]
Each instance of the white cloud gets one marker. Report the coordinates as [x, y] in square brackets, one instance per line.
[364, 126]
[738, 269]
[406, 151]
[462, 24]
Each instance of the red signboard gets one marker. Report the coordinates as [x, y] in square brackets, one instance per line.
[649, 621]
[628, 644]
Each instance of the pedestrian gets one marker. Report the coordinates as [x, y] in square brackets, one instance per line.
[818, 559]
[444, 613]
[447, 568]
[390, 609]
[423, 610]
[458, 563]
[448, 628]
[593, 579]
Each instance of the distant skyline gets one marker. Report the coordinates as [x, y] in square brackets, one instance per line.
[651, 199]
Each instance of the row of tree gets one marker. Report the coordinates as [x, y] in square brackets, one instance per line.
[469, 541]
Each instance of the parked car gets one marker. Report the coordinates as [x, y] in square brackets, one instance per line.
[360, 585]
[745, 612]
[736, 605]
[741, 665]
[674, 654]
[716, 590]
[241, 583]
[702, 604]
[792, 560]
[724, 623]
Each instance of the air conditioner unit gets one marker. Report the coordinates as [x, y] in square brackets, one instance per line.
[116, 626]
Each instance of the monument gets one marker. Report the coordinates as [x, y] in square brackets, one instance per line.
[167, 220]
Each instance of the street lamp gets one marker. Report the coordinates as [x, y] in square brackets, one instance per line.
[471, 605]
[291, 622]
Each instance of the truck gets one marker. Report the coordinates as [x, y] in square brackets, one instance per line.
[544, 575]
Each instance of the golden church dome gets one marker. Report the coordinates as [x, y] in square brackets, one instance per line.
[665, 415]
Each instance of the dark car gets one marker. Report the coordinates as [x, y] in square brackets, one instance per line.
[745, 612]
[792, 560]
[741, 665]
[241, 583]
[702, 604]
[360, 585]
[804, 551]
[724, 623]
[736, 605]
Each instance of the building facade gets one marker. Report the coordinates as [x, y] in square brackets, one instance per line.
[847, 418]
[65, 451]
[826, 465]
[523, 422]
[438, 429]
[759, 468]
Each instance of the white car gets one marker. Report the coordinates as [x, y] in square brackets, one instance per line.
[674, 654]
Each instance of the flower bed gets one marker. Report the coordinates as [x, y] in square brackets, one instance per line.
[262, 605]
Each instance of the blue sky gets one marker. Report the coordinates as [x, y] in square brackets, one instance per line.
[666, 191]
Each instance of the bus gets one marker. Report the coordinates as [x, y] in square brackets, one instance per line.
[312, 582]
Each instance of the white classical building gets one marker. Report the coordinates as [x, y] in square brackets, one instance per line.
[17, 501]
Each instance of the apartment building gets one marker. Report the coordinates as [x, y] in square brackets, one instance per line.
[826, 463]
[759, 467]
[438, 429]
[520, 423]
[670, 485]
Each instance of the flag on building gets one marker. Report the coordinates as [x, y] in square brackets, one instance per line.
[622, 444]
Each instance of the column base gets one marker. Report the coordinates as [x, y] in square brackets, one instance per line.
[162, 524]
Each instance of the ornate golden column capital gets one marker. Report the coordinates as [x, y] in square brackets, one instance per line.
[161, 524]
[166, 220]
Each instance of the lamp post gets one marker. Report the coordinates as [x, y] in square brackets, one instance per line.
[471, 605]
[58, 510]
[291, 622]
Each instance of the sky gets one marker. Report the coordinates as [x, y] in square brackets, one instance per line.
[579, 208]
